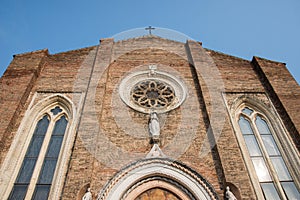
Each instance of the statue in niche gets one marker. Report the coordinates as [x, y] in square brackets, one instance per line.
[229, 194]
[154, 127]
[87, 195]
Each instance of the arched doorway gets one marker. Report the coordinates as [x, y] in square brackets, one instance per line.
[157, 193]
[157, 178]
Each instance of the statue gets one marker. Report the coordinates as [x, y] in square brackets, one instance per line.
[152, 69]
[87, 195]
[229, 194]
[154, 128]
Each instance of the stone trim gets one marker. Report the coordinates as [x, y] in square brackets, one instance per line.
[159, 182]
[131, 80]
[144, 169]
[279, 132]
[13, 161]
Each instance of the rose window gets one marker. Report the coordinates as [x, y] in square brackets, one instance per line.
[152, 94]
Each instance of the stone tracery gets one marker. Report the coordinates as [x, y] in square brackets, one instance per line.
[152, 94]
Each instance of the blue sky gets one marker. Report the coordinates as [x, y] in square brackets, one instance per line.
[265, 28]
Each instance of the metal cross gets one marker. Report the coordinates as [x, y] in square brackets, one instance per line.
[150, 28]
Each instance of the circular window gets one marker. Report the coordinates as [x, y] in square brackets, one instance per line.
[146, 92]
[152, 94]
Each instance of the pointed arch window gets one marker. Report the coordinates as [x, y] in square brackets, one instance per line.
[270, 167]
[37, 171]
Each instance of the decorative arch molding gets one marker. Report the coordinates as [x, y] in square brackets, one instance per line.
[158, 182]
[145, 174]
[272, 117]
[14, 158]
[245, 100]
[53, 100]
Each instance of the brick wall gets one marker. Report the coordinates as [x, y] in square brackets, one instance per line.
[15, 87]
[96, 72]
[284, 92]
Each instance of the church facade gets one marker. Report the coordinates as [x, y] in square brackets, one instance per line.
[148, 118]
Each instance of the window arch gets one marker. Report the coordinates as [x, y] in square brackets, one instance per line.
[267, 160]
[35, 176]
[44, 140]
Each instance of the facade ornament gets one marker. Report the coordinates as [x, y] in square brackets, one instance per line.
[152, 90]
[87, 195]
[154, 127]
[152, 69]
[229, 194]
[149, 28]
[156, 152]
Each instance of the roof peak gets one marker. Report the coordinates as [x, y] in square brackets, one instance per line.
[154, 32]
[148, 37]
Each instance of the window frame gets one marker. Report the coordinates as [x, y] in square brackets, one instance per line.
[53, 121]
[276, 127]
[15, 156]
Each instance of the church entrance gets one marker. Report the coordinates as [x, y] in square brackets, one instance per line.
[157, 194]
[157, 179]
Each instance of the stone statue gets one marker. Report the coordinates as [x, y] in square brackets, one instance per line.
[154, 128]
[229, 194]
[152, 70]
[87, 195]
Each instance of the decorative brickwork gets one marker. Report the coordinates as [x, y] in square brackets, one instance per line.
[108, 134]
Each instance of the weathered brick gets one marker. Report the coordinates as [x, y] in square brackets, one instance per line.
[103, 67]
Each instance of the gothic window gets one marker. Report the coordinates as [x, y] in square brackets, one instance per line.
[153, 90]
[269, 164]
[35, 176]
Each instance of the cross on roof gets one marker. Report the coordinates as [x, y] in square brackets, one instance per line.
[149, 28]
